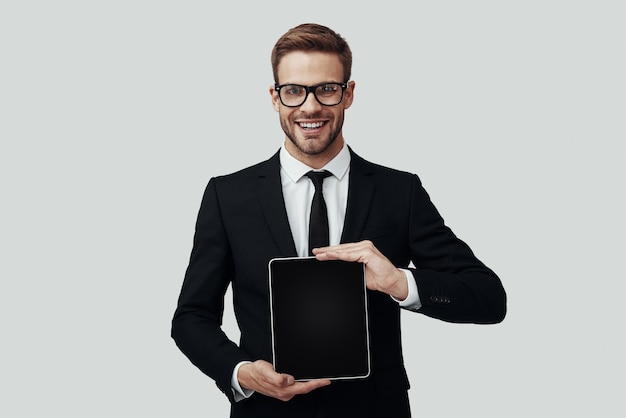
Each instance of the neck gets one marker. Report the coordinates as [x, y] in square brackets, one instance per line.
[315, 161]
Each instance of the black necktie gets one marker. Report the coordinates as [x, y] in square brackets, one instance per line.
[318, 223]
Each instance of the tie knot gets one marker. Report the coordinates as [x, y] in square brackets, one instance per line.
[317, 177]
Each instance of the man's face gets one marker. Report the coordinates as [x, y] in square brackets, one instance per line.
[312, 129]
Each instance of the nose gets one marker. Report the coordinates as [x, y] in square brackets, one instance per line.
[310, 104]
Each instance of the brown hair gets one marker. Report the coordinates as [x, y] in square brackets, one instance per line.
[312, 37]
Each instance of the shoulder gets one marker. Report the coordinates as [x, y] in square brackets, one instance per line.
[261, 169]
[368, 168]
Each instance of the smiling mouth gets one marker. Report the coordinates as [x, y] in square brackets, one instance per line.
[311, 125]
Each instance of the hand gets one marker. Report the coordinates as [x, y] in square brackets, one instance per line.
[380, 274]
[261, 377]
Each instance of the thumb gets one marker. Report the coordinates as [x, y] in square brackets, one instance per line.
[286, 380]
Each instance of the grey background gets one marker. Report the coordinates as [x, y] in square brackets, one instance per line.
[114, 115]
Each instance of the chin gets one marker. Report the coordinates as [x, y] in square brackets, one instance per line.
[315, 149]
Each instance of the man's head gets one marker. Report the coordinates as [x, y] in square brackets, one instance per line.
[311, 37]
[312, 65]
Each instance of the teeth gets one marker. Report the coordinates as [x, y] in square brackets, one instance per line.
[311, 125]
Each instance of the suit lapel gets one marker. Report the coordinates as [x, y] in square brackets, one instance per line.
[271, 199]
[360, 193]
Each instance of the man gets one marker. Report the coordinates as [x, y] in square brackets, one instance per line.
[380, 217]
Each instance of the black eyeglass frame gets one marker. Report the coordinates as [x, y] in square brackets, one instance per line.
[310, 89]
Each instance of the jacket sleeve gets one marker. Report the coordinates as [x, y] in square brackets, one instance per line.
[452, 283]
[196, 326]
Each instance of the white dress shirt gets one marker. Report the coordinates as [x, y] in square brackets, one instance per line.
[298, 192]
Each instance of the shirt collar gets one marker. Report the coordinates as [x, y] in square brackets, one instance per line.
[295, 169]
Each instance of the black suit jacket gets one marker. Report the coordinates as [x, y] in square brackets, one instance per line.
[242, 224]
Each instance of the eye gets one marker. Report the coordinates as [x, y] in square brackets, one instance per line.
[327, 89]
[292, 90]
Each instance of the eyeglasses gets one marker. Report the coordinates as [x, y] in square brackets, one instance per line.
[294, 95]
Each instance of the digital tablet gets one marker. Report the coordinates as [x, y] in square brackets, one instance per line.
[319, 318]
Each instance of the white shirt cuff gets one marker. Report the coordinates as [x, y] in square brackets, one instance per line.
[238, 392]
[412, 301]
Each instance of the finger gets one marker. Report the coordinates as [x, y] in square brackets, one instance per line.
[268, 374]
[344, 254]
[301, 388]
[347, 246]
[279, 379]
[286, 380]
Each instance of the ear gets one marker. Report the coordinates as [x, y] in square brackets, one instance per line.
[348, 95]
[275, 98]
